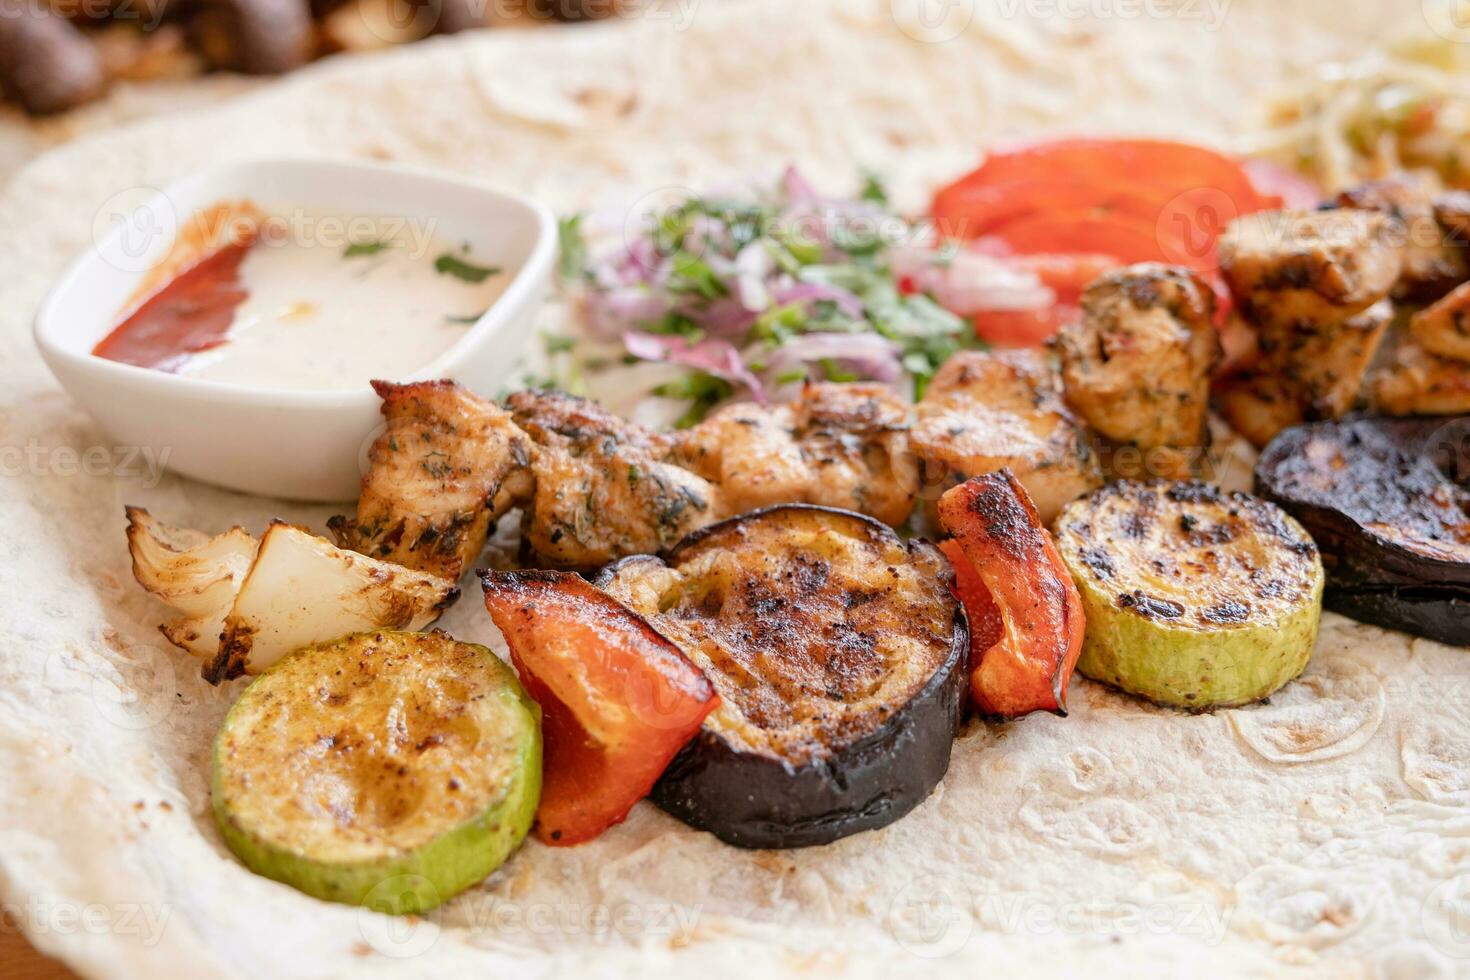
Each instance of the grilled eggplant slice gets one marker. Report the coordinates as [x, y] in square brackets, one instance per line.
[386, 767]
[1382, 500]
[1195, 598]
[838, 652]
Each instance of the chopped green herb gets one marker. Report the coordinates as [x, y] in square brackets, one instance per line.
[358, 249]
[558, 343]
[873, 189]
[704, 392]
[468, 318]
[572, 264]
[453, 265]
[835, 372]
[634, 475]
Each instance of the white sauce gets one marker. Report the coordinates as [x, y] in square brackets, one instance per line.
[316, 318]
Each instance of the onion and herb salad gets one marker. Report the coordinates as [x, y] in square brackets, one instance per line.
[716, 298]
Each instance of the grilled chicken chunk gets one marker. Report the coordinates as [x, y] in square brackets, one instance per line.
[1444, 328]
[839, 445]
[1289, 269]
[1325, 363]
[1433, 261]
[604, 487]
[986, 410]
[1418, 383]
[1137, 364]
[1258, 405]
[447, 465]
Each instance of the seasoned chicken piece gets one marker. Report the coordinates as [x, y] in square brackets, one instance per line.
[1444, 328]
[855, 439]
[840, 445]
[447, 465]
[1258, 405]
[1137, 364]
[1293, 268]
[987, 410]
[1433, 262]
[1418, 383]
[1325, 364]
[605, 488]
[1452, 211]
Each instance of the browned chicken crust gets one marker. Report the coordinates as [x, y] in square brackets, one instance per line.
[1434, 256]
[839, 445]
[604, 487]
[988, 410]
[1137, 364]
[1290, 268]
[446, 466]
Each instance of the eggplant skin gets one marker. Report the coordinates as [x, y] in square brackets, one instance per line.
[1383, 500]
[791, 791]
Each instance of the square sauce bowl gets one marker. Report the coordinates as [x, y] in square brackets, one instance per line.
[301, 442]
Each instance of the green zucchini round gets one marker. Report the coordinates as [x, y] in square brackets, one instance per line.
[1195, 598]
[394, 767]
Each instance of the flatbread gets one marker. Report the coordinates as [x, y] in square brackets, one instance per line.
[1319, 834]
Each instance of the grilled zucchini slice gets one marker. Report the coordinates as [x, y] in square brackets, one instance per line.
[400, 767]
[1195, 598]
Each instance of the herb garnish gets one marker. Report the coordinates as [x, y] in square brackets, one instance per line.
[358, 249]
[453, 265]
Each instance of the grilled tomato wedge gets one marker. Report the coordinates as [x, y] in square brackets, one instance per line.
[1026, 618]
[388, 768]
[838, 651]
[1196, 598]
[618, 697]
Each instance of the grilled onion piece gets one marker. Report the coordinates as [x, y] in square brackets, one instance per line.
[247, 604]
[1195, 598]
[392, 769]
[838, 652]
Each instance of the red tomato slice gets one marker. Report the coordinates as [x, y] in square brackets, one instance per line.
[1067, 275]
[1128, 239]
[967, 212]
[1022, 328]
[1282, 188]
[1030, 666]
[618, 699]
[1165, 167]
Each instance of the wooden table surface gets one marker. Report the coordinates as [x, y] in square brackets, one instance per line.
[20, 961]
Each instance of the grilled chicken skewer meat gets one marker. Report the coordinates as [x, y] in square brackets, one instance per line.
[1137, 367]
[839, 445]
[604, 487]
[1310, 282]
[445, 468]
[593, 487]
[988, 410]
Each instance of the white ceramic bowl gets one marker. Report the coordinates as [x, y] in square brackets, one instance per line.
[304, 445]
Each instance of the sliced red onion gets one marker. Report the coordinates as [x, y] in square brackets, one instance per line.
[752, 267]
[797, 189]
[718, 357]
[864, 354]
[972, 281]
[612, 312]
[807, 292]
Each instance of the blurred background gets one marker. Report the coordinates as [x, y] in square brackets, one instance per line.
[71, 66]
